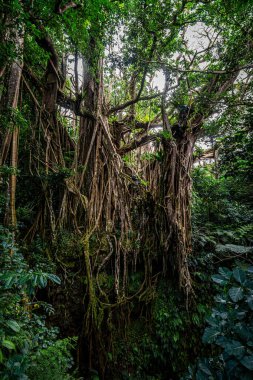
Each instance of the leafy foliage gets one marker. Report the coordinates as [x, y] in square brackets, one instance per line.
[24, 336]
[167, 344]
[230, 327]
[56, 359]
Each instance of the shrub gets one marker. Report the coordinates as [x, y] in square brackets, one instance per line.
[230, 328]
[25, 340]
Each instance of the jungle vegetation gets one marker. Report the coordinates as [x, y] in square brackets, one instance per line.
[126, 189]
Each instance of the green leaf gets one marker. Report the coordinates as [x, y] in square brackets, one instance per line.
[35, 280]
[239, 275]
[250, 301]
[248, 284]
[203, 367]
[54, 278]
[222, 341]
[212, 322]
[219, 279]
[10, 280]
[24, 279]
[231, 365]
[166, 134]
[235, 348]
[247, 361]
[220, 299]
[243, 332]
[225, 272]
[13, 325]
[200, 375]
[236, 294]
[210, 334]
[8, 344]
[1, 356]
[42, 281]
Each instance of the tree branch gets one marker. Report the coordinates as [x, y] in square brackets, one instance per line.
[73, 105]
[133, 101]
[218, 72]
[61, 9]
[138, 96]
[137, 144]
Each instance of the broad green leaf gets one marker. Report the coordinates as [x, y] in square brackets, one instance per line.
[235, 348]
[8, 344]
[243, 332]
[200, 375]
[247, 361]
[222, 341]
[241, 314]
[219, 279]
[236, 294]
[231, 365]
[205, 369]
[225, 272]
[250, 301]
[210, 334]
[239, 275]
[212, 321]
[220, 299]
[248, 284]
[13, 325]
[1, 356]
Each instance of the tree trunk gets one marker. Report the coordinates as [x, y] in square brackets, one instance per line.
[171, 187]
[11, 138]
[175, 191]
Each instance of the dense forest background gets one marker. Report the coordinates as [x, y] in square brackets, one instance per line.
[126, 189]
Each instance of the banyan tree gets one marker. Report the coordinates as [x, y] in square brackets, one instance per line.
[102, 103]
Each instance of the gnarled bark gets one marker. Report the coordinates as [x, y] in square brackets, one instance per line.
[10, 139]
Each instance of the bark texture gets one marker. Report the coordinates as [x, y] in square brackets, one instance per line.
[9, 148]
